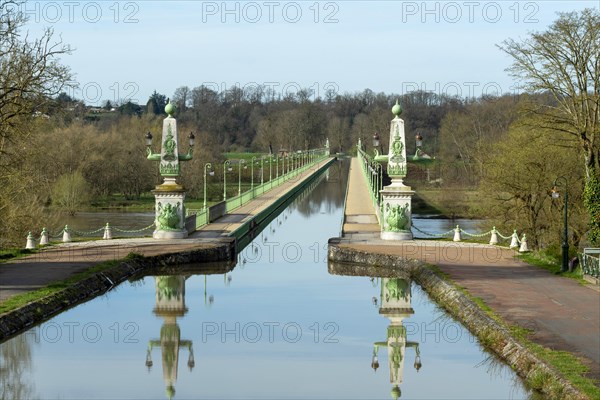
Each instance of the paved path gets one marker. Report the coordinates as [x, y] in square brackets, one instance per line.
[562, 314]
[360, 221]
[60, 262]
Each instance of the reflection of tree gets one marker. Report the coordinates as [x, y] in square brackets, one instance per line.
[15, 365]
[328, 194]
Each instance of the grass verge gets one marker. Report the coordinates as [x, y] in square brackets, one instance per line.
[551, 264]
[565, 363]
[21, 300]
[11, 254]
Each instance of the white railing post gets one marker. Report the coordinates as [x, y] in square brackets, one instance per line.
[44, 239]
[107, 232]
[494, 237]
[66, 234]
[457, 237]
[514, 240]
[30, 242]
[523, 248]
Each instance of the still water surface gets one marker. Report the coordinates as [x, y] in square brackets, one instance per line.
[277, 326]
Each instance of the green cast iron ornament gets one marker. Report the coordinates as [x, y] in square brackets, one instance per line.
[397, 154]
[170, 216]
[169, 156]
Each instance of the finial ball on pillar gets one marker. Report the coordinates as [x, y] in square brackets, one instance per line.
[170, 109]
[397, 109]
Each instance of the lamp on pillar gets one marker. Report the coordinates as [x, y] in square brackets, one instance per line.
[418, 145]
[207, 167]
[149, 142]
[169, 196]
[376, 143]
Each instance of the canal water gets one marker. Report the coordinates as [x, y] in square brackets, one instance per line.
[277, 326]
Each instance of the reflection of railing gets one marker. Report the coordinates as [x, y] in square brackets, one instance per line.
[296, 164]
[373, 172]
[590, 263]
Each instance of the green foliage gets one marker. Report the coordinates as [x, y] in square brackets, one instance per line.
[156, 104]
[134, 256]
[563, 64]
[550, 260]
[591, 199]
[31, 75]
[519, 172]
[71, 192]
[467, 136]
[9, 254]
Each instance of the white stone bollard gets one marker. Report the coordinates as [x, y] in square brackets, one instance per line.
[494, 238]
[107, 232]
[66, 234]
[44, 239]
[457, 237]
[514, 241]
[523, 247]
[30, 242]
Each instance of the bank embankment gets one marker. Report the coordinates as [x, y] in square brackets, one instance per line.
[489, 329]
[132, 266]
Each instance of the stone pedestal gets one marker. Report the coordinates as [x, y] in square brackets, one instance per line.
[169, 211]
[397, 212]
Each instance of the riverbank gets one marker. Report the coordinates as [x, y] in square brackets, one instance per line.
[501, 327]
[63, 277]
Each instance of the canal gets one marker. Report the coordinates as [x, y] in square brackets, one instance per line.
[278, 325]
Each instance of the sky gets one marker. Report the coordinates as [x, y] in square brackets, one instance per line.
[124, 50]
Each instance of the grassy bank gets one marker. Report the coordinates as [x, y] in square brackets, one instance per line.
[21, 300]
[566, 364]
[11, 254]
[448, 202]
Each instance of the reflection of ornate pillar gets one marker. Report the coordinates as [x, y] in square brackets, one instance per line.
[170, 304]
[395, 300]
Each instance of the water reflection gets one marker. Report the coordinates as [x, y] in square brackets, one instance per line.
[394, 300]
[325, 198]
[170, 304]
[15, 369]
[237, 331]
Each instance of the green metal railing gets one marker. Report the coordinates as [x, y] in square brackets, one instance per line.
[590, 262]
[373, 172]
[288, 167]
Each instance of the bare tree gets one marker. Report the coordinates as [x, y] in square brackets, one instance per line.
[564, 62]
[31, 76]
[30, 72]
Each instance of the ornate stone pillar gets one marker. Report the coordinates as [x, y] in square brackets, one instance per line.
[170, 196]
[397, 197]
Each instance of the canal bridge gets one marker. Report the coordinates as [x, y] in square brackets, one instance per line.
[561, 313]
